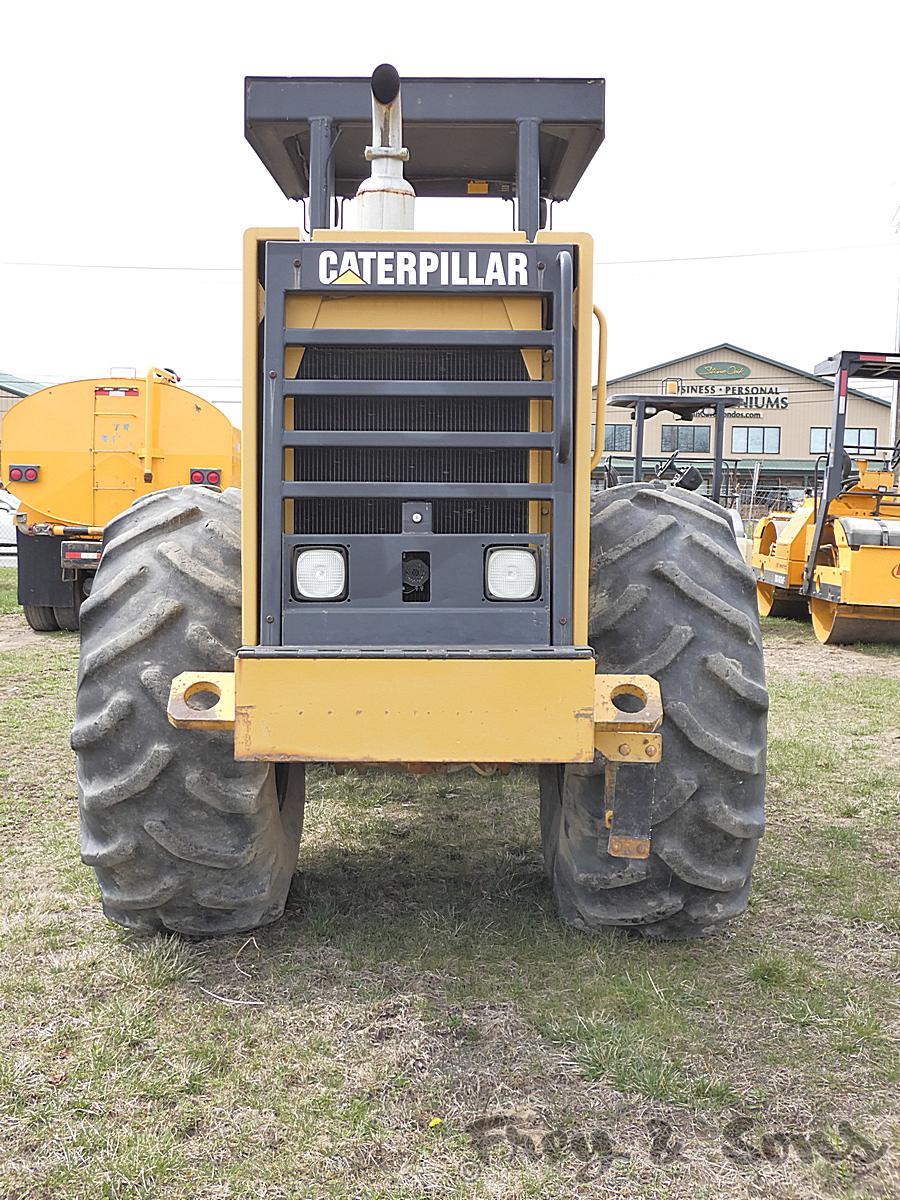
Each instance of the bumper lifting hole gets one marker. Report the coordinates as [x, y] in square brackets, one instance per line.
[202, 695]
[628, 698]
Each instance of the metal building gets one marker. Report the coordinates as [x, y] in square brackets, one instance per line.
[781, 420]
[13, 389]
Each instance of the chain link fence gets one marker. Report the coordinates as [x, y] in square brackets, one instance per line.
[738, 491]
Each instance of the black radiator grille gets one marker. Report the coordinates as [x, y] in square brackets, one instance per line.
[411, 362]
[480, 516]
[354, 515]
[465, 414]
[347, 515]
[407, 464]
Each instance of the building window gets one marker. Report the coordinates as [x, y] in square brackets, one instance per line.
[856, 440]
[617, 439]
[859, 441]
[694, 438]
[755, 439]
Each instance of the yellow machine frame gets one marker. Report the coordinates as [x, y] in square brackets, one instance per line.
[584, 404]
[425, 710]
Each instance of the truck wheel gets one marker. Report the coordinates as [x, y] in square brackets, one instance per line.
[181, 836]
[69, 617]
[40, 617]
[670, 597]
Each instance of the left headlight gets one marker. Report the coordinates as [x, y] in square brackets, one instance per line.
[511, 573]
[321, 574]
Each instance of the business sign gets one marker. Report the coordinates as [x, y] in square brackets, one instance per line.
[749, 395]
[723, 371]
[752, 398]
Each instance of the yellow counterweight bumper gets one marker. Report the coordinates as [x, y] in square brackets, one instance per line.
[423, 710]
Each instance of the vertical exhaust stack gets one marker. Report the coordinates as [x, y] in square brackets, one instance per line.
[386, 199]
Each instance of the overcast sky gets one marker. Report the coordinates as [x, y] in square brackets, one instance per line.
[759, 142]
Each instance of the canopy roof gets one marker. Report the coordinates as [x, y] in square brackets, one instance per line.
[458, 131]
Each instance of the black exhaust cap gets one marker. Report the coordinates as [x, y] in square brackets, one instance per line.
[385, 83]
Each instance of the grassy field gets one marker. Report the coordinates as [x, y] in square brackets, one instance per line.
[420, 1025]
[8, 591]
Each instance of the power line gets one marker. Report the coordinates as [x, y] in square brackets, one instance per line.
[629, 262]
[820, 397]
[769, 380]
[118, 267]
[604, 262]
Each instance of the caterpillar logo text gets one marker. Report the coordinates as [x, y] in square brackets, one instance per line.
[425, 268]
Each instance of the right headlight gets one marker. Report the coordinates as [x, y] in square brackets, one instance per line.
[511, 573]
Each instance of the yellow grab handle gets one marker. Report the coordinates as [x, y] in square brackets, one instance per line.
[155, 375]
[600, 403]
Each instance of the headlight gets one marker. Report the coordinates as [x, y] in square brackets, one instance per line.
[321, 574]
[511, 573]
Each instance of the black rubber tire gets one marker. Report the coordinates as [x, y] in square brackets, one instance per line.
[69, 617]
[66, 618]
[40, 617]
[180, 836]
[671, 597]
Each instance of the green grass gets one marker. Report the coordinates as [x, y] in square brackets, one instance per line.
[8, 602]
[421, 1025]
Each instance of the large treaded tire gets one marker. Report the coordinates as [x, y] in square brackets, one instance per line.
[670, 597]
[181, 836]
[40, 617]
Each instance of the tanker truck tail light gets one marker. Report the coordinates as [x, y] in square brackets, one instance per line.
[24, 474]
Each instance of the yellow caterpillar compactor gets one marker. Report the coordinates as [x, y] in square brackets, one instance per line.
[413, 573]
[77, 454]
[838, 555]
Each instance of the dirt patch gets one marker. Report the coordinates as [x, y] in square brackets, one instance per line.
[788, 655]
[16, 633]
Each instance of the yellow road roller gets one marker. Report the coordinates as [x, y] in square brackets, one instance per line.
[838, 556]
[77, 454]
[413, 572]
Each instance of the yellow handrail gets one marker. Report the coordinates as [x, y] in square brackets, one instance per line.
[600, 402]
[155, 375]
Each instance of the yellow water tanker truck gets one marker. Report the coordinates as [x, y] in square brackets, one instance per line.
[77, 454]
